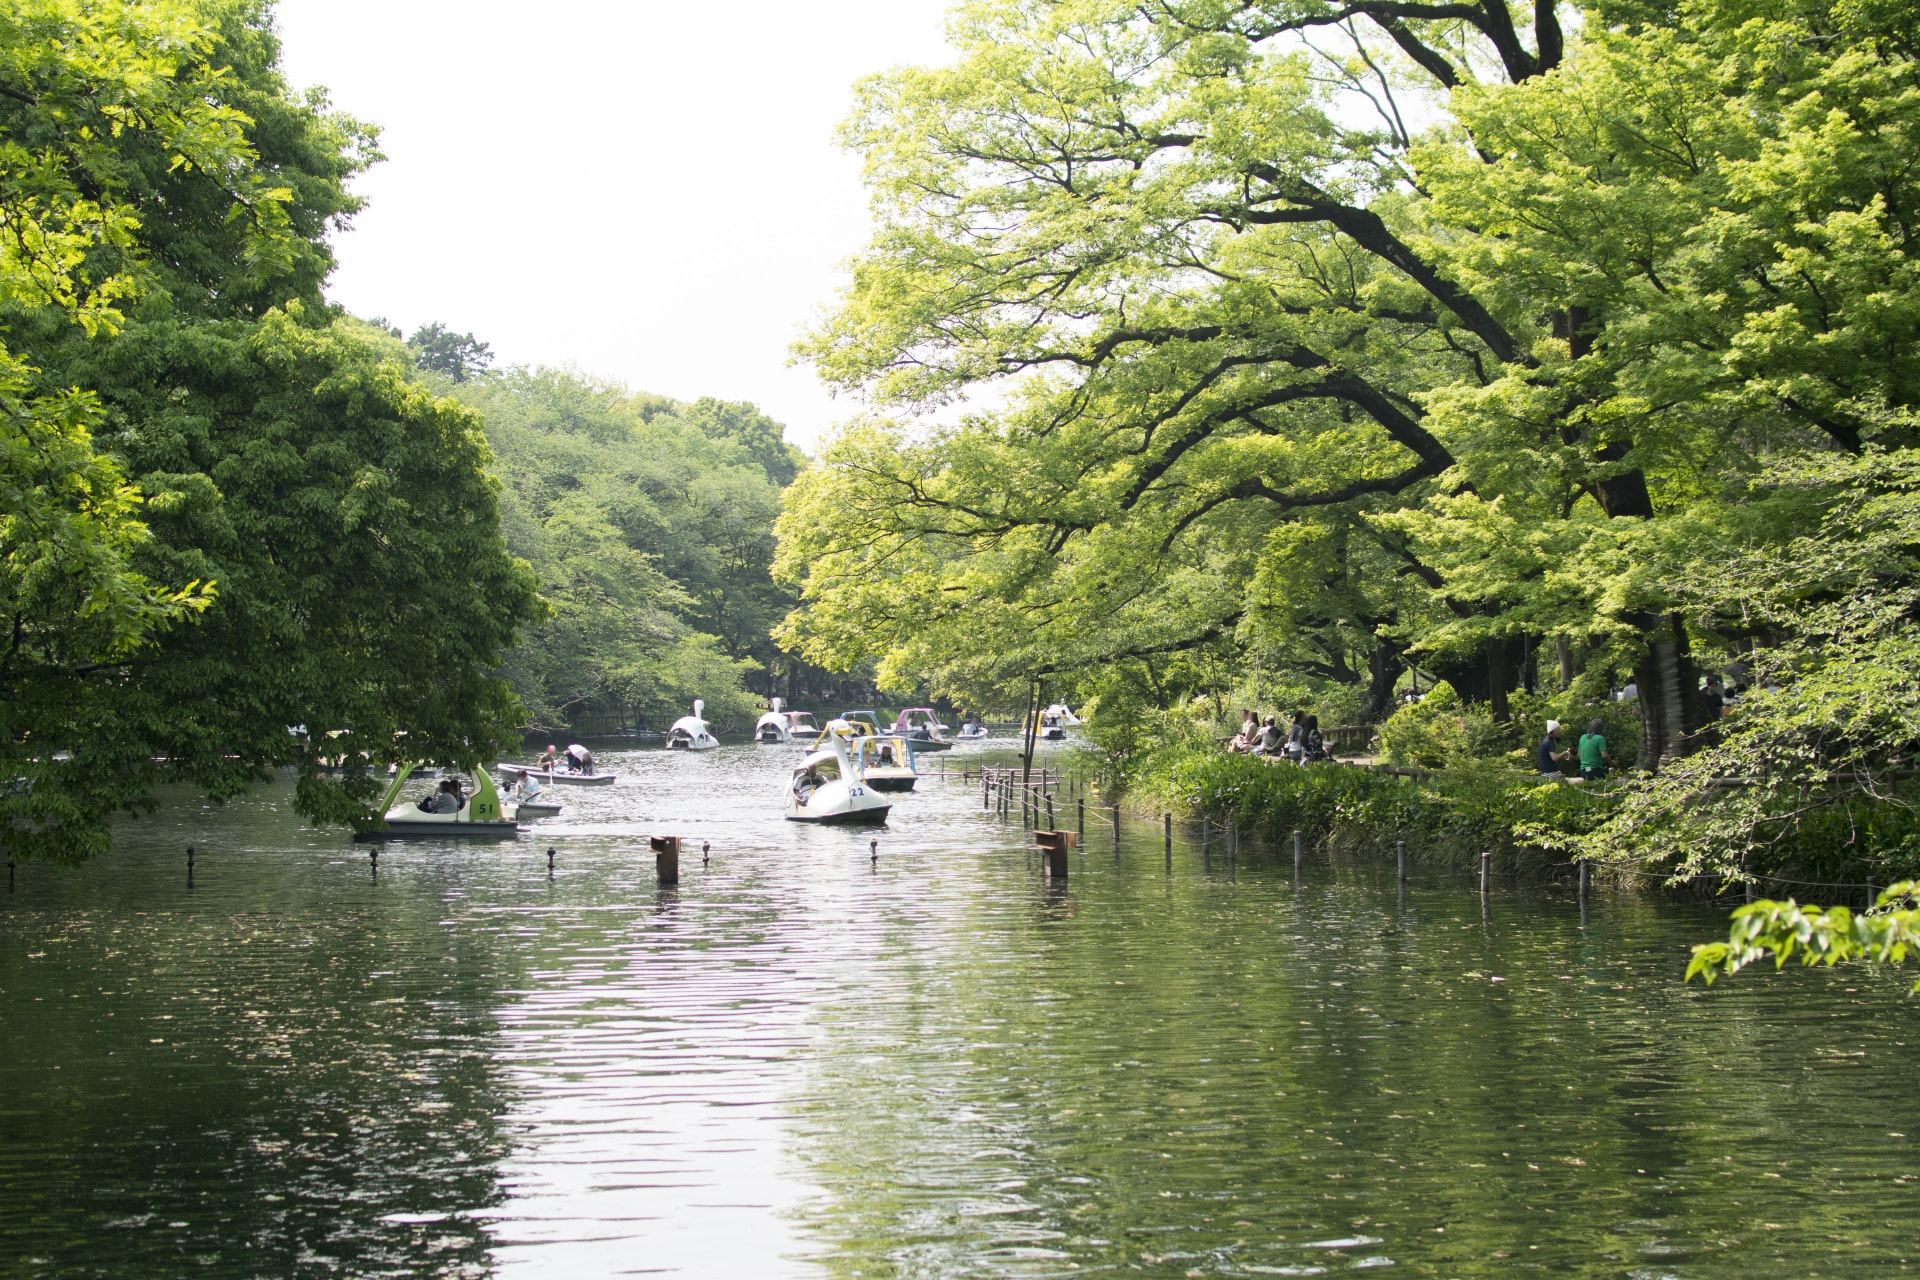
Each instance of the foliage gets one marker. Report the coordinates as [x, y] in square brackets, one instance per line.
[195, 437]
[458, 356]
[651, 533]
[1832, 936]
[1449, 819]
[1272, 374]
[1441, 731]
[1829, 738]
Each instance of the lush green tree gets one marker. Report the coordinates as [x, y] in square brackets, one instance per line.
[651, 533]
[1509, 357]
[197, 437]
[1836, 935]
[457, 355]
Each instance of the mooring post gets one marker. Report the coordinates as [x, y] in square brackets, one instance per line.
[1402, 846]
[1296, 855]
[1083, 819]
[550, 852]
[1169, 842]
[1486, 871]
[1583, 879]
[1053, 853]
[189, 859]
[373, 857]
[666, 859]
[1116, 826]
[1049, 811]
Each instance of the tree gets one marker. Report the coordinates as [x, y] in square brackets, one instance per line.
[457, 355]
[1784, 930]
[651, 536]
[197, 440]
[1212, 303]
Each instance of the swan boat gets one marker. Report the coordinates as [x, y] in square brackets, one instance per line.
[478, 818]
[829, 786]
[690, 733]
[971, 731]
[1056, 720]
[779, 725]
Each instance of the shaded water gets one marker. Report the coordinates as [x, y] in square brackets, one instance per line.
[803, 1063]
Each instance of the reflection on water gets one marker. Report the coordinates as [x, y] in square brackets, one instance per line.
[800, 1062]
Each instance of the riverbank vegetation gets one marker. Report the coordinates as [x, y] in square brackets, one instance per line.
[1296, 349]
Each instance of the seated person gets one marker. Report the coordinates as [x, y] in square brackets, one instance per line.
[526, 788]
[1272, 741]
[550, 757]
[806, 784]
[446, 798]
[1551, 754]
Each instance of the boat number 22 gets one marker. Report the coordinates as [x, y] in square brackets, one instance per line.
[856, 791]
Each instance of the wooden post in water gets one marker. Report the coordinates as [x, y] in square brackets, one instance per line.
[1402, 845]
[1583, 879]
[1296, 855]
[1049, 811]
[1116, 826]
[1486, 871]
[1169, 842]
[1083, 819]
[1053, 846]
[666, 859]
[1233, 846]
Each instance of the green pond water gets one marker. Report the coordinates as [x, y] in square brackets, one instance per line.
[803, 1063]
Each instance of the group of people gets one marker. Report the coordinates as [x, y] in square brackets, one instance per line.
[1301, 742]
[445, 798]
[575, 759]
[1594, 759]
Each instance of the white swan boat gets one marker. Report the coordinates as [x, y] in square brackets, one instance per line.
[971, 731]
[829, 786]
[779, 725]
[479, 816]
[690, 733]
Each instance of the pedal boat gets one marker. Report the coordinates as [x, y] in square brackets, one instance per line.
[828, 785]
[690, 733]
[779, 725]
[559, 775]
[480, 818]
[923, 728]
[887, 762]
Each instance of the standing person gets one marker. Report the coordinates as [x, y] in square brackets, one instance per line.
[1715, 699]
[1296, 738]
[1312, 746]
[1551, 754]
[1595, 759]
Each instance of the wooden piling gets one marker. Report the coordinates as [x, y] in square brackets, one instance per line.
[1296, 853]
[666, 858]
[1486, 872]
[1402, 846]
[1169, 842]
[1053, 846]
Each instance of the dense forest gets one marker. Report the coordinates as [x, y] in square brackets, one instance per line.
[1548, 352]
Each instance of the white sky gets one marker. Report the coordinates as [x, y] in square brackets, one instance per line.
[649, 191]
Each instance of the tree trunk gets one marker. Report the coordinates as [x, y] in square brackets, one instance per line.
[1499, 677]
[1383, 667]
[1672, 711]
[1566, 662]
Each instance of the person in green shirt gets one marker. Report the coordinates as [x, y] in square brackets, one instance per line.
[1594, 757]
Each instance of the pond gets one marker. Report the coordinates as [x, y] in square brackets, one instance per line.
[804, 1062]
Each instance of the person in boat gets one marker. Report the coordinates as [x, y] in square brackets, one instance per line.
[525, 789]
[446, 798]
[579, 759]
[886, 753]
[550, 757]
[806, 784]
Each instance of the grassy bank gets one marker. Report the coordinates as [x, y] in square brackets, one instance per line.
[1448, 819]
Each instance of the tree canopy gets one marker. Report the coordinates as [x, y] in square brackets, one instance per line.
[228, 514]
